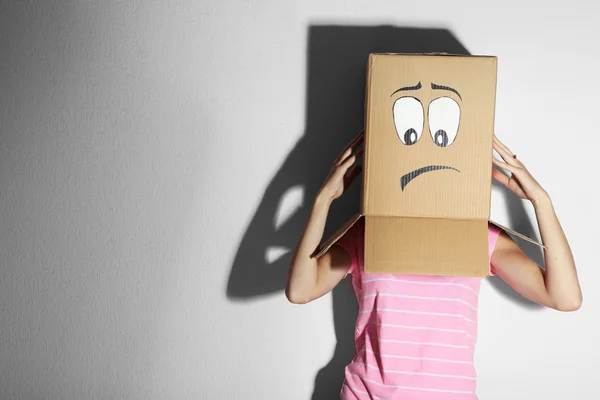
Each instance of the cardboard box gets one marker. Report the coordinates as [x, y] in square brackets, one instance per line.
[427, 170]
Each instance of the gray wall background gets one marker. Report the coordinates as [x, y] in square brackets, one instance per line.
[158, 159]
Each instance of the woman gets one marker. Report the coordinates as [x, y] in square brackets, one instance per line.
[415, 335]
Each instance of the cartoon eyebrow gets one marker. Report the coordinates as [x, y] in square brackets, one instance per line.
[440, 87]
[416, 87]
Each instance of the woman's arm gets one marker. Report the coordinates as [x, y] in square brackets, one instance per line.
[311, 278]
[556, 287]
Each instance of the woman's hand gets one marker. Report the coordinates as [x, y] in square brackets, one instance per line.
[558, 285]
[521, 182]
[341, 175]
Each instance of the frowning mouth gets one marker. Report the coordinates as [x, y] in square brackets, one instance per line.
[412, 175]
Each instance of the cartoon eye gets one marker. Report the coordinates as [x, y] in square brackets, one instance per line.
[408, 118]
[444, 117]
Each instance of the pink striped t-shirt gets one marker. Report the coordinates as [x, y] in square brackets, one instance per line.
[415, 334]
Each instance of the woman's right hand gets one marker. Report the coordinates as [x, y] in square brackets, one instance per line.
[341, 175]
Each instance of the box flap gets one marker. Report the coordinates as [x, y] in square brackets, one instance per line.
[517, 234]
[426, 246]
[325, 246]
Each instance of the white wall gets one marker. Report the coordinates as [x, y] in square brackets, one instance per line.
[146, 147]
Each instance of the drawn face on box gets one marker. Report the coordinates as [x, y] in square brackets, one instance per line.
[431, 126]
[443, 117]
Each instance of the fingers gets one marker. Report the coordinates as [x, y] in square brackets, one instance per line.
[500, 177]
[342, 169]
[496, 140]
[347, 163]
[360, 153]
[513, 169]
[354, 142]
[352, 174]
[506, 155]
[350, 148]
[342, 157]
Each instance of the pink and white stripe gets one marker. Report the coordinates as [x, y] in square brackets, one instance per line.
[415, 335]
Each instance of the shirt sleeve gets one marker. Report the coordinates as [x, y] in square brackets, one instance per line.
[493, 233]
[351, 242]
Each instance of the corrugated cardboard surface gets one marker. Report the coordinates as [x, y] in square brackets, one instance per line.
[444, 192]
[426, 206]
[517, 234]
[325, 246]
[426, 246]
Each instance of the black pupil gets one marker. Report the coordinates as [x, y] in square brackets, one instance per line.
[441, 138]
[410, 136]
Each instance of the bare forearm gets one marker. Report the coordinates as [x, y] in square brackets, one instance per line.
[306, 272]
[561, 278]
[303, 268]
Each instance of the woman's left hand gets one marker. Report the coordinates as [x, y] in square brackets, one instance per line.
[521, 182]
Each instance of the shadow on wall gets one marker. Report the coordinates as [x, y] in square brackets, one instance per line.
[337, 60]
[520, 222]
